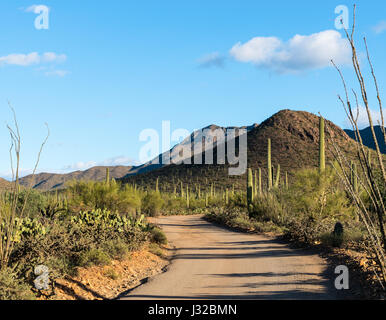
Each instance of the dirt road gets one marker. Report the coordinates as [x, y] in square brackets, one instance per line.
[212, 262]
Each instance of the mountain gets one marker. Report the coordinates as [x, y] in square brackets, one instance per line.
[173, 153]
[49, 181]
[295, 145]
[367, 137]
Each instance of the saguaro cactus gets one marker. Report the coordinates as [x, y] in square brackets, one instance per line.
[249, 189]
[206, 200]
[256, 186]
[260, 183]
[269, 166]
[354, 176]
[157, 185]
[286, 180]
[322, 150]
[107, 175]
[277, 176]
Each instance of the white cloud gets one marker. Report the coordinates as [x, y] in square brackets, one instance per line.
[300, 53]
[20, 59]
[53, 57]
[33, 58]
[213, 59]
[57, 73]
[380, 27]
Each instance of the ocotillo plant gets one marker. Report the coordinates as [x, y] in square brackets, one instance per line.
[322, 150]
[249, 189]
[269, 166]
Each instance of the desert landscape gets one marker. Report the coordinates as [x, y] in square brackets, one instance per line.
[261, 203]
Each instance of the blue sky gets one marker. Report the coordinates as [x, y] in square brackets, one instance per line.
[105, 71]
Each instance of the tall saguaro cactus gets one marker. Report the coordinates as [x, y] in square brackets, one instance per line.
[260, 183]
[354, 176]
[277, 182]
[286, 180]
[269, 166]
[256, 186]
[322, 147]
[249, 189]
[107, 176]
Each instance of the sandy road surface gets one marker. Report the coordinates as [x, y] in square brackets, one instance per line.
[212, 262]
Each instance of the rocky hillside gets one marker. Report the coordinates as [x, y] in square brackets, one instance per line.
[295, 145]
[49, 181]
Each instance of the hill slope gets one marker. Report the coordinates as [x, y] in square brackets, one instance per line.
[49, 181]
[295, 145]
[367, 137]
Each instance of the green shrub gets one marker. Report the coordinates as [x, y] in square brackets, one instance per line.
[87, 196]
[117, 249]
[156, 250]
[94, 257]
[350, 235]
[152, 204]
[13, 288]
[314, 203]
[36, 202]
[111, 273]
[158, 236]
